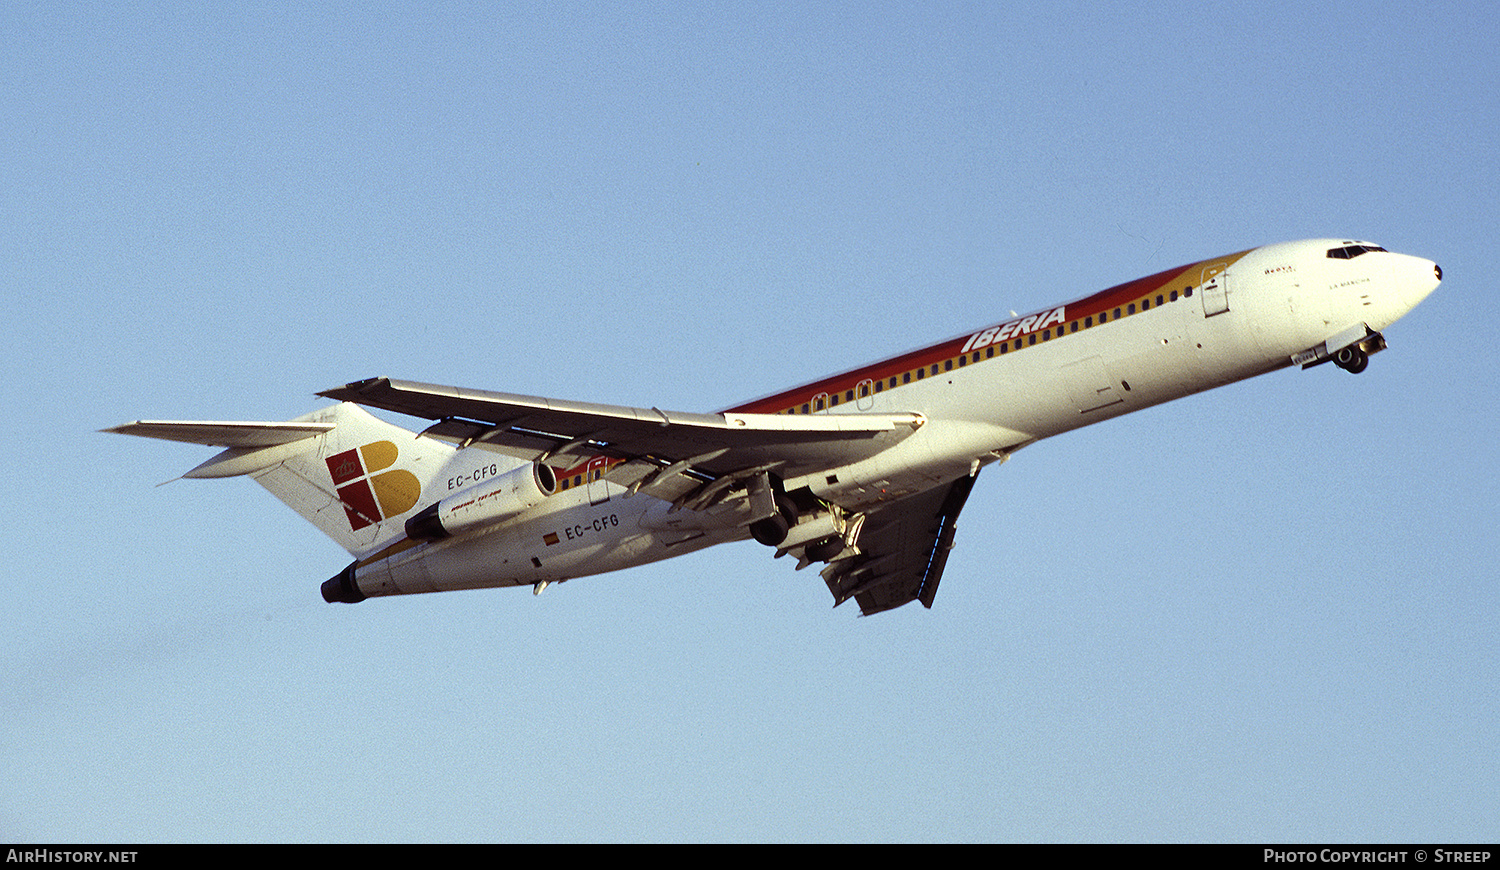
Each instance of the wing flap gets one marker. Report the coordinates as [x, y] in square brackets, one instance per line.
[903, 550]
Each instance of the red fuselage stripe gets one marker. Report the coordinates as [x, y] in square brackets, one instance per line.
[1170, 285]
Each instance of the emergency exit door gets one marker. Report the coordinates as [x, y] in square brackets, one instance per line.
[1215, 289]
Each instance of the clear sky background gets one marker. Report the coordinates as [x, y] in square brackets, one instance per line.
[1264, 613]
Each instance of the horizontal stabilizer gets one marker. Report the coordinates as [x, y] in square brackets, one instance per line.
[223, 434]
[354, 476]
[251, 447]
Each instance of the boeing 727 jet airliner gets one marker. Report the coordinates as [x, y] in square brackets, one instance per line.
[864, 472]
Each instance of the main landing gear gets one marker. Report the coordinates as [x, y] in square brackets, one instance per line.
[772, 530]
[808, 528]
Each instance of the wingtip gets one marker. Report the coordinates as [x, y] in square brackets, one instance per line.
[351, 387]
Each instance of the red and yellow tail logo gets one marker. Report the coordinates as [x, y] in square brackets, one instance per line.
[370, 493]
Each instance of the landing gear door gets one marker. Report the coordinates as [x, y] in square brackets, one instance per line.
[1215, 289]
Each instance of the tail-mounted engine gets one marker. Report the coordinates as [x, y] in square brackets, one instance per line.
[511, 494]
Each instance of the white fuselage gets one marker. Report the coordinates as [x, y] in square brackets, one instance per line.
[983, 395]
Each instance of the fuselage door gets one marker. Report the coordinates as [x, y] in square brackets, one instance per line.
[1215, 289]
[594, 474]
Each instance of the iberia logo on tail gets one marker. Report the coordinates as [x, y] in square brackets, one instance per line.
[368, 492]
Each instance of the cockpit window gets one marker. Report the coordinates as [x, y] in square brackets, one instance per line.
[1349, 252]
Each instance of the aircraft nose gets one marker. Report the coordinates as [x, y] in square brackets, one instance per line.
[1416, 278]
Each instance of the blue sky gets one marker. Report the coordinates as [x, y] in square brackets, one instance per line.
[1267, 613]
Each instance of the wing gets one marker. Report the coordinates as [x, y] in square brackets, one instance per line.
[680, 457]
[903, 550]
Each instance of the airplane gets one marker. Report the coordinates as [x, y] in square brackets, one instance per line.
[863, 472]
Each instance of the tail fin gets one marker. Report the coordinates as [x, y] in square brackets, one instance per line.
[354, 476]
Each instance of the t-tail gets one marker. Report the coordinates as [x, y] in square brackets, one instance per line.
[351, 474]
